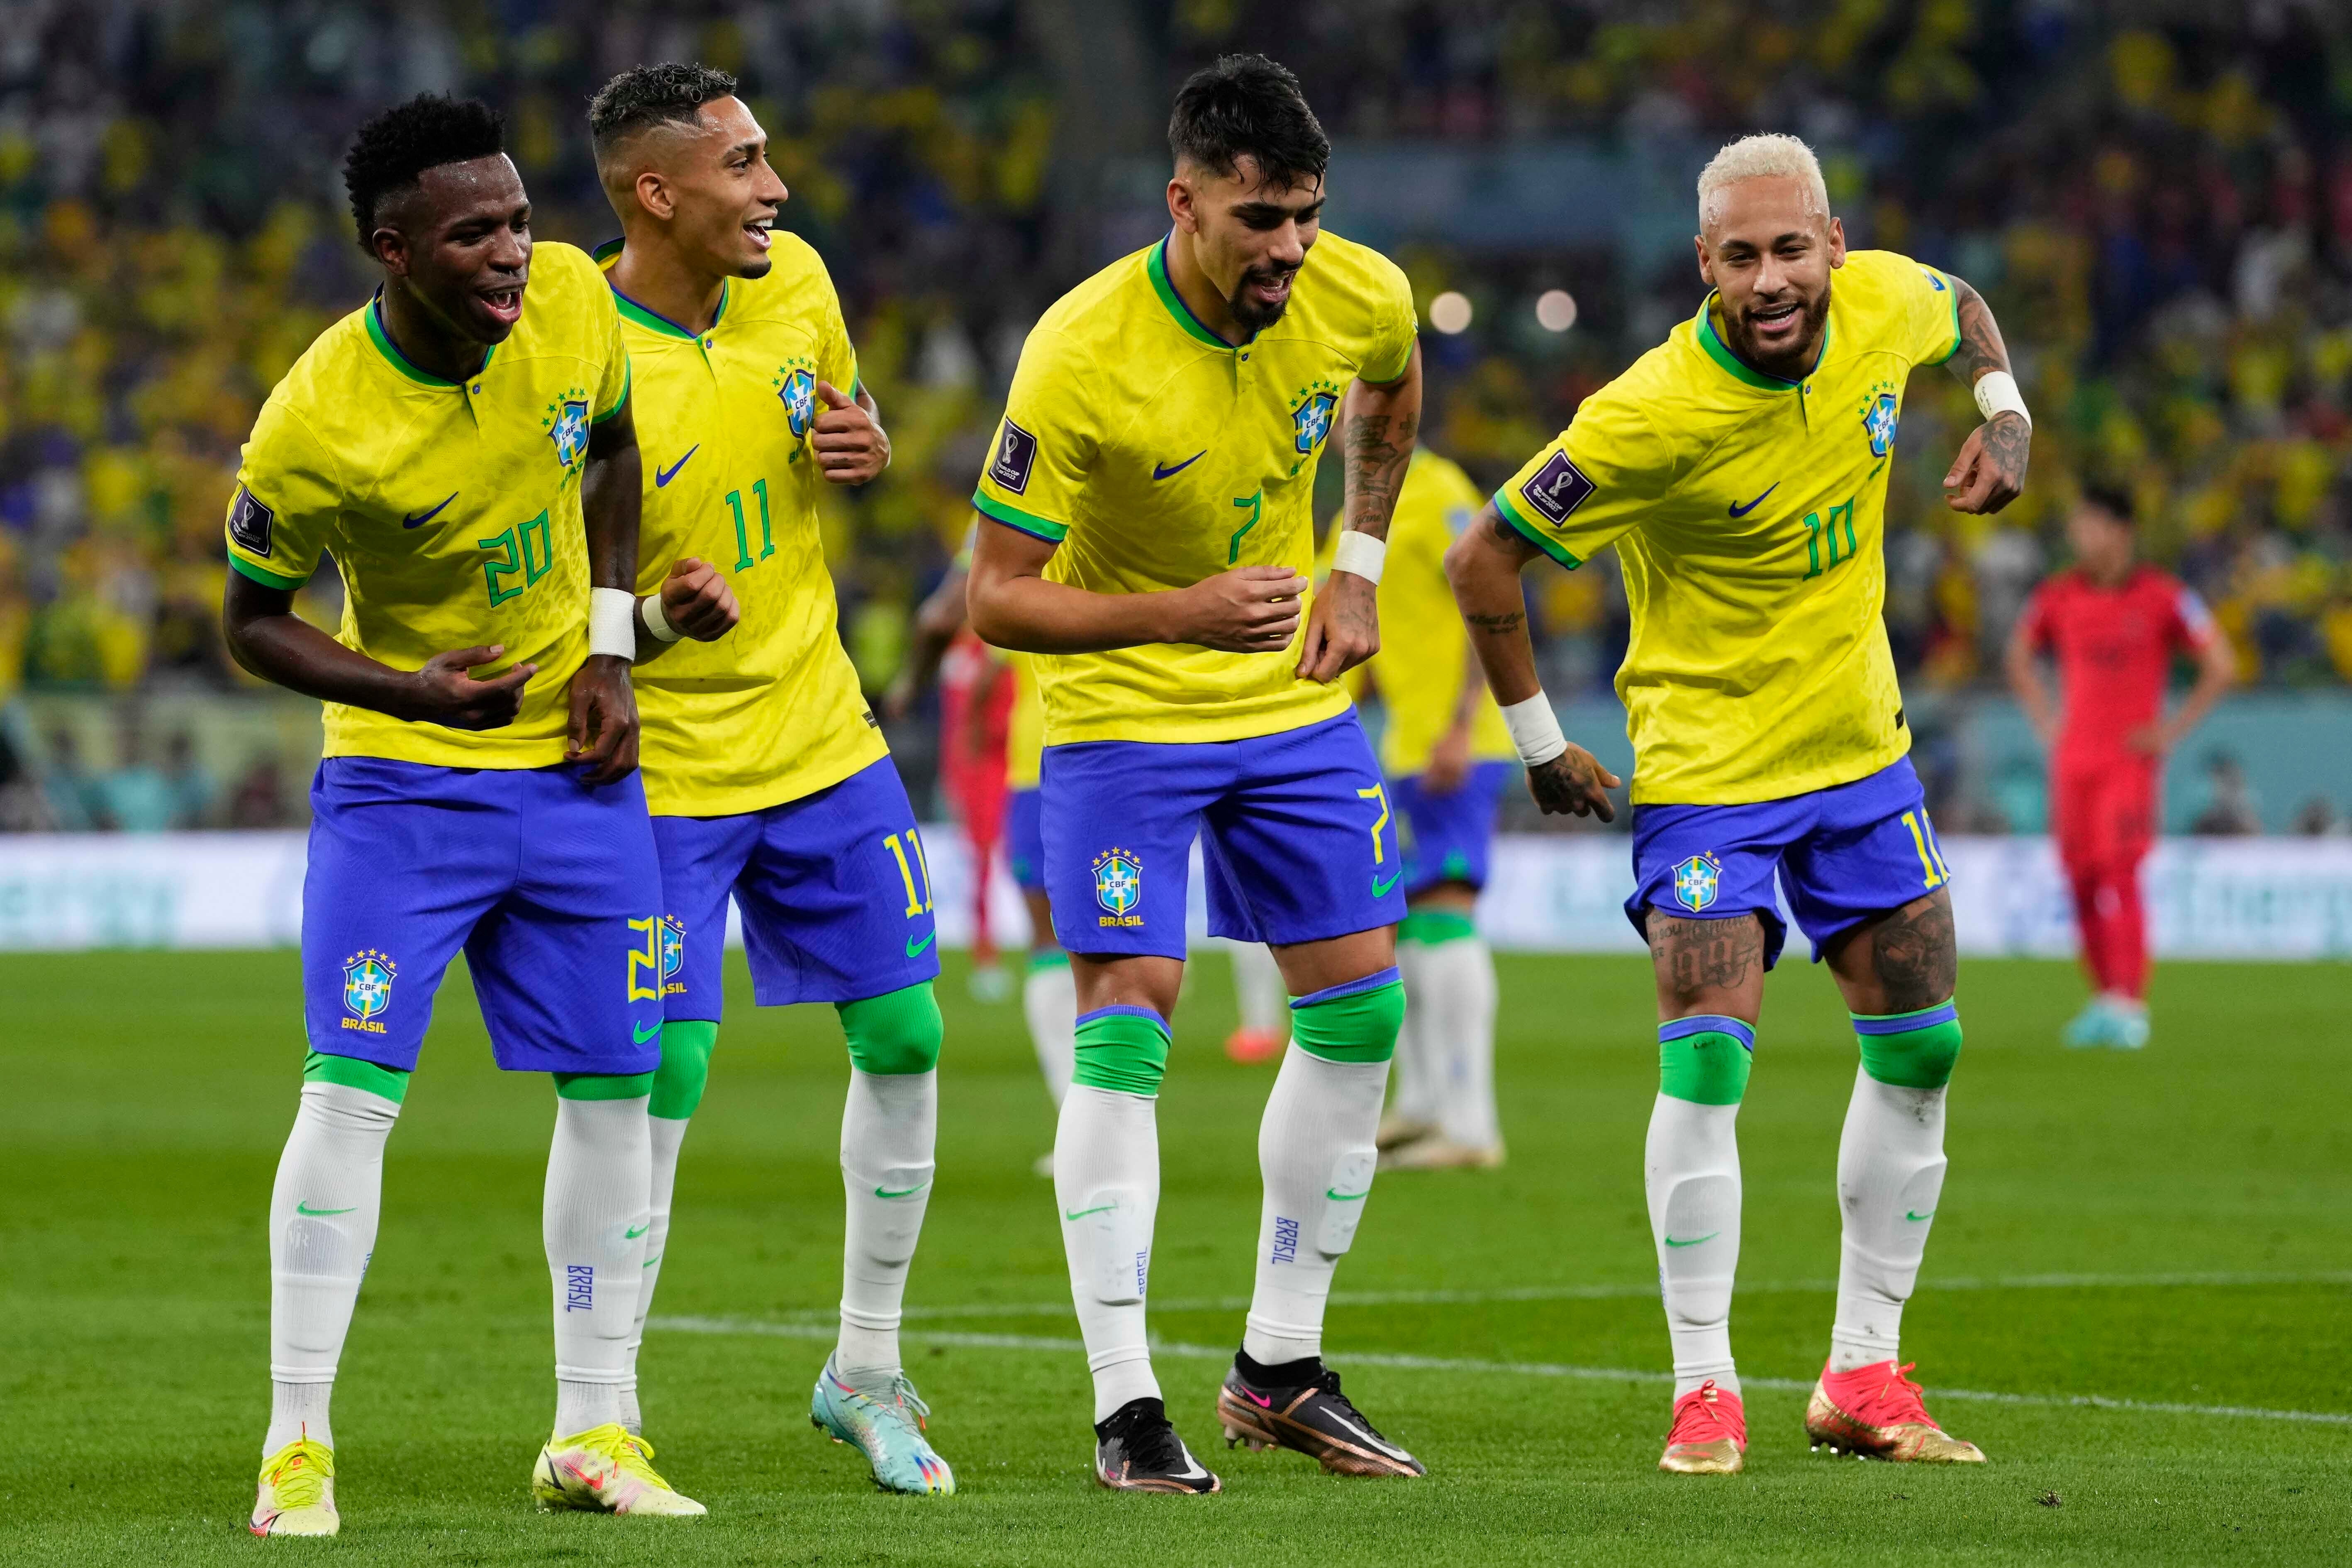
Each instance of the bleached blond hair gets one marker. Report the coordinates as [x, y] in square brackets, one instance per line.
[1771, 155]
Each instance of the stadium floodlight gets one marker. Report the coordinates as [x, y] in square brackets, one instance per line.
[1450, 313]
[1556, 310]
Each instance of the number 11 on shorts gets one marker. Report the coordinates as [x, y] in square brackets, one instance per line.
[1931, 855]
[916, 902]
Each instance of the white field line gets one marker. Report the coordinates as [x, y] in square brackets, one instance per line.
[1506, 1368]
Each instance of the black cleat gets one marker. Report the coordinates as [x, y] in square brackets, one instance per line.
[1299, 1406]
[1135, 1450]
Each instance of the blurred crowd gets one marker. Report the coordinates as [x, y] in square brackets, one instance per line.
[2161, 214]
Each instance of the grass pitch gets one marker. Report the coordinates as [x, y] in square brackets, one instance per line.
[2169, 1230]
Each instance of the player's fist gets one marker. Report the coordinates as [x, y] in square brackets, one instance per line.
[1573, 784]
[850, 444]
[1250, 609]
[1344, 628]
[443, 691]
[603, 733]
[696, 600]
[1990, 472]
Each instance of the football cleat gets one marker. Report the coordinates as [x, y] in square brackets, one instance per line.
[2130, 1027]
[1875, 1412]
[1251, 1046]
[1135, 1450]
[1709, 1437]
[297, 1491]
[1313, 1418]
[1442, 1154]
[887, 1425]
[1397, 1130]
[2096, 1028]
[606, 1469]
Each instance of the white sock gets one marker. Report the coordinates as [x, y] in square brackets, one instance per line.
[1458, 978]
[889, 1124]
[1417, 1083]
[1106, 1182]
[1691, 1169]
[599, 1190]
[322, 1219]
[667, 1134]
[1316, 1140]
[1890, 1168]
[1258, 991]
[1049, 998]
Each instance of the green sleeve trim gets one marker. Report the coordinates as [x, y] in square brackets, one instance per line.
[685, 1070]
[628, 379]
[1043, 527]
[370, 1078]
[896, 1034]
[263, 576]
[1392, 377]
[1952, 297]
[603, 1085]
[1534, 536]
[1360, 1027]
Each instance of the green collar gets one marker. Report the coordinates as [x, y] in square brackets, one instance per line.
[400, 361]
[1155, 262]
[653, 320]
[1739, 369]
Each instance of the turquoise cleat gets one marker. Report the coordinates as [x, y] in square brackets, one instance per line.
[2096, 1028]
[887, 1425]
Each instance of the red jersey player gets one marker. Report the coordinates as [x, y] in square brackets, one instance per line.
[2112, 624]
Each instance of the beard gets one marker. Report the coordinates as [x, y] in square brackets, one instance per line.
[1791, 363]
[1246, 307]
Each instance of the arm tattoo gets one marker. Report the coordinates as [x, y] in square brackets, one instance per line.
[1980, 349]
[1498, 625]
[1692, 956]
[1379, 447]
[1915, 956]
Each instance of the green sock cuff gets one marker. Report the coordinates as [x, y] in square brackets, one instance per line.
[1047, 958]
[1910, 1050]
[678, 1082]
[1710, 1068]
[1123, 1050]
[1434, 926]
[388, 1083]
[895, 1034]
[1360, 1026]
[603, 1085]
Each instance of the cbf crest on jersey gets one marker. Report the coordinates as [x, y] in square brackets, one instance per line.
[1697, 881]
[367, 990]
[795, 384]
[1879, 418]
[1119, 887]
[566, 424]
[1310, 415]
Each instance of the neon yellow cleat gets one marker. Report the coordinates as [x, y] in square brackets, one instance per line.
[606, 1470]
[297, 1491]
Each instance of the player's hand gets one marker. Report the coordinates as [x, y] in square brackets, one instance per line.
[604, 720]
[1250, 609]
[696, 600]
[850, 447]
[445, 693]
[1344, 628]
[1990, 472]
[1573, 784]
[1449, 762]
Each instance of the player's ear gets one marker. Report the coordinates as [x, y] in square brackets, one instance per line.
[1182, 205]
[391, 247]
[654, 195]
[1706, 267]
[1837, 242]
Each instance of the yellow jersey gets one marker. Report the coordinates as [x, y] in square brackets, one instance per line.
[772, 711]
[1025, 732]
[1424, 654]
[452, 509]
[1749, 518]
[1156, 454]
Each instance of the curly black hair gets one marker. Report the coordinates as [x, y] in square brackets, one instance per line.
[669, 93]
[1247, 106]
[396, 146]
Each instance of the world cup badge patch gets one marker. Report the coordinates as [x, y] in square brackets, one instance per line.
[566, 424]
[1310, 415]
[1697, 881]
[1119, 887]
[367, 990]
[795, 384]
[1879, 418]
[673, 955]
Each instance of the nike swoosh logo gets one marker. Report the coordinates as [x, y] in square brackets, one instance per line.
[635, 1231]
[301, 1207]
[901, 1193]
[1380, 889]
[664, 475]
[639, 1036]
[1098, 1208]
[1919, 1218]
[1752, 506]
[1711, 1235]
[1159, 473]
[1338, 1197]
[1263, 1404]
[915, 949]
[419, 519]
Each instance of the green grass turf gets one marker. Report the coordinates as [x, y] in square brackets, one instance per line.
[146, 1097]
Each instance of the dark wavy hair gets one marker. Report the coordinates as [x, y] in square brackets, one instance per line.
[1247, 106]
[2115, 503]
[669, 93]
[396, 146]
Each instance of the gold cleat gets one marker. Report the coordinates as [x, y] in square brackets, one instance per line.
[1396, 1131]
[1442, 1154]
[1877, 1413]
[1709, 1437]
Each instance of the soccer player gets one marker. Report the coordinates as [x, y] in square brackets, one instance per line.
[462, 445]
[1740, 468]
[1447, 757]
[766, 773]
[1147, 527]
[2114, 624]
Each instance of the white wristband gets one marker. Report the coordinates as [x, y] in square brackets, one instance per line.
[649, 610]
[612, 630]
[1361, 553]
[1997, 394]
[1535, 730]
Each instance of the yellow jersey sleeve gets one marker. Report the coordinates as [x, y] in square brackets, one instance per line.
[1395, 325]
[1045, 443]
[288, 499]
[1908, 305]
[836, 358]
[1594, 482]
[612, 386]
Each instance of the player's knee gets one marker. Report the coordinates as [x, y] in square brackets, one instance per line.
[1122, 1049]
[1354, 1022]
[894, 1035]
[678, 1082]
[1704, 1059]
[387, 1083]
[1912, 1050]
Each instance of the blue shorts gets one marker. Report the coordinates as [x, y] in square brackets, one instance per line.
[1842, 854]
[1447, 837]
[835, 891]
[1025, 839]
[550, 886]
[1295, 830]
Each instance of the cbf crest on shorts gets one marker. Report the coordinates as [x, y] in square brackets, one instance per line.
[673, 955]
[1696, 880]
[566, 425]
[1119, 887]
[367, 990]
